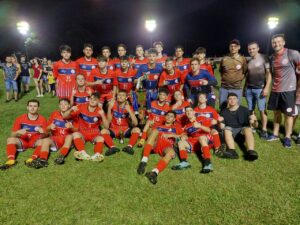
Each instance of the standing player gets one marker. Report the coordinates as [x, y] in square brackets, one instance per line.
[65, 72]
[106, 53]
[161, 142]
[90, 117]
[80, 94]
[160, 60]
[181, 63]
[122, 50]
[119, 115]
[27, 131]
[87, 62]
[139, 59]
[200, 53]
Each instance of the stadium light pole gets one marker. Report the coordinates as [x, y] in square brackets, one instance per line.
[150, 26]
[24, 28]
[272, 24]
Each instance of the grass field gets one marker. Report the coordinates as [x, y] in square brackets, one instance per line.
[266, 191]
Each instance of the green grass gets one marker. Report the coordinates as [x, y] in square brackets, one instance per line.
[237, 192]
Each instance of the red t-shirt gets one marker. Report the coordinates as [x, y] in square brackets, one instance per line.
[172, 82]
[109, 80]
[60, 124]
[36, 71]
[158, 112]
[85, 66]
[81, 97]
[125, 79]
[192, 131]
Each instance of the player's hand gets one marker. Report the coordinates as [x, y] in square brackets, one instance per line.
[22, 131]
[220, 119]
[52, 126]
[265, 92]
[41, 130]
[197, 125]
[127, 106]
[184, 138]
[166, 136]
[69, 125]
[73, 91]
[203, 82]
[98, 82]
[74, 108]
[252, 117]
[101, 112]
[190, 100]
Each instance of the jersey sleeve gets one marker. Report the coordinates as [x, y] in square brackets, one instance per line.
[55, 70]
[16, 125]
[161, 80]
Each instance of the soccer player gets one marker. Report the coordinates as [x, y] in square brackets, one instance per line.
[122, 50]
[149, 76]
[27, 131]
[257, 85]
[80, 94]
[87, 62]
[106, 53]
[200, 53]
[125, 81]
[158, 110]
[160, 59]
[237, 122]
[90, 117]
[181, 63]
[161, 141]
[65, 72]
[198, 81]
[139, 59]
[61, 137]
[197, 137]
[105, 81]
[179, 107]
[119, 114]
[232, 68]
[285, 65]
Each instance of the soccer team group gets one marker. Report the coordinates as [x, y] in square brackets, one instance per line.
[174, 115]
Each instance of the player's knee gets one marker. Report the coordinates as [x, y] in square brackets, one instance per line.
[136, 130]
[12, 140]
[104, 131]
[214, 132]
[76, 135]
[99, 139]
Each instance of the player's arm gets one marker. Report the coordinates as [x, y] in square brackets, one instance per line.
[202, 127]
[253, 121]
[187, 91]
[68, 114]
[109, 109]
[131, 114]
[72, 97]
[104, 119]
[18, 72]
[266, 90]
[40, 71]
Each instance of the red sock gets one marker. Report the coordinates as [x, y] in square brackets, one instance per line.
[98, 147]
[205, 152]
[36, 153]
[11, 151]
[79, 144]
[147, 150]
[217, 142]
[183, 154]
[133, 139]
[108, 140]
[144, 135]
[64, 151]
[44, 155]
[161, 165]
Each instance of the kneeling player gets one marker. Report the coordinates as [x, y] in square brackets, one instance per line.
[27, 131]
[161, 141]
[119, 114]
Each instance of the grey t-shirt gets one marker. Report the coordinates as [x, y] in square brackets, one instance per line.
[256, 74]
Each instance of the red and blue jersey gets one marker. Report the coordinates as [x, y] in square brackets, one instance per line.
[161, 61]
[208, 112]
[151, 75]
[81, 97]
[120, 116]
[193, 131]
[183, 66]
[109, 80]
[208, 67]
[138, 63]
[125, 80]
[172, 82]
[86, 66]
[60, 124]
[158, 112]
[180, 111]
[110, 64]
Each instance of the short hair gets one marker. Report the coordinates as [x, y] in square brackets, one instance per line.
[235, 41]
[278, 35]
[202, 93]
[139, 46]
[66, 48]
[194, 59]
[64, 100]
[163, 90]
[231, 94]
[95, 95]
[158, 43]
[179, 46]
[189, 106]
[122, 45]
[253, 43]
[172, 112]
[33, 101]
[152, 51]
[88, 45]
[122, 91]
[200, 50]
[169, 59]
[106, 47]
[80, 74]
[101, 58]
[124, 58]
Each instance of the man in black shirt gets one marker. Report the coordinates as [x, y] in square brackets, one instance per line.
[236, 121]
[25, 74]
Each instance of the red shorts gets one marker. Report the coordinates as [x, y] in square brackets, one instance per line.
[106, 97]
[25, 144]
[161, 146]
[194, 142]
[58, 141]
[115, 131]
[90, 136]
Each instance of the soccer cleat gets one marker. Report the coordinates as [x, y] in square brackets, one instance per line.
[287, 142]
[298, 141]
[252, 155]
[81, 155]
[39, 163]
[59, 160]
[128, 150]
[97, 157]
[264, 135]
[273, 137]
[9, 163]
[181, 166]
[207, 168]
[141, 168]
[28, 163]
[152, 177]
[111, 151]
[230, 154]
[141, 143]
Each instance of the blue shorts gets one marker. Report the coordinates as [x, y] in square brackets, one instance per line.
[11, 84]
[254, 96]
[26, 79]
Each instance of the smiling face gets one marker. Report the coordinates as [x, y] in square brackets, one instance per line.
[278, 44]
[139, 52]
[253, 49]
[93, 101]
[234, 48]
[121, 97]
[189, 112]
[170, 118]
[179, 53]
[80, 80]
[64, 105]
[88, 52]
[66, 54]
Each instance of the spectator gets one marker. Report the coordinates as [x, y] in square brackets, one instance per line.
[10, 77]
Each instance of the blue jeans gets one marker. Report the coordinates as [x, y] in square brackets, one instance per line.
[11, 84]
[26, 80]
[224, 93]
[253, 96]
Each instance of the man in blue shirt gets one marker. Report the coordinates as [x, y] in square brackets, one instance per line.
[10, 77]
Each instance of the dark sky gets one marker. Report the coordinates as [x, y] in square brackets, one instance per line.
[191, 23]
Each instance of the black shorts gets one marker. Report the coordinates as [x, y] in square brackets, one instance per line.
[52, 87]
[283, 101]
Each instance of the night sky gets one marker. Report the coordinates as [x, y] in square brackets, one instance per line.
[191, 23]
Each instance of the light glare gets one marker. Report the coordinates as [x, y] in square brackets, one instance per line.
[273, 22]
[23, 27]
[150, 25]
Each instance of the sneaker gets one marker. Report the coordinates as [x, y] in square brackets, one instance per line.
[82, 155]
[128, 149]
[141, 168]
[141, 143]
[252, 155]
[230, 154]
[59, 160]
[207, 168]
[272, 137]
[39, 163]
[111, 151]
[28, 163]
[152, 176]
[97, 157]
[264, 135]
[9, 163]
[287, 142]
[297, 141]
[181, 166]
[38, 96]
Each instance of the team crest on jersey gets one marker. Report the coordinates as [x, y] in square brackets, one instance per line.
[238, 67]
[95, 119]
[36, 128]
[176, 81]
[111, 67]
[108, 81]
[72, 71]
[170, 130]
[162, 113]
[184, 67]
[93, 67]
[87, 98]
[129, 79]
[285, 61]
